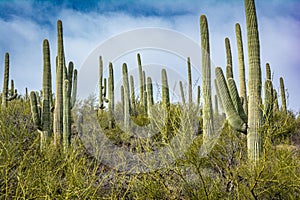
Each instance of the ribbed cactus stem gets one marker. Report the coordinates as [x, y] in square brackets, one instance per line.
[70, 77]
[58, 114]
[12, 88]
[275, 100]
[35, 111]
[111, 96]
[229, 73]
[268, 100]
[47, 90]
[182, 92]
[216, 105]
[66, 116]
[198, 95]
[232, 115]
[5, 81]
[132, 95]
[126, 97]
[208, 126]
[150, 100]
[100, 84]
[74, 89]
[190, 81]
[218, 94]
[254, 137]
[236, 99]
[282, 92]
[241, 64]
[141, 78]
[145, 103]
[268, 72]
[165, 89]
[122, 99]
[104, 88]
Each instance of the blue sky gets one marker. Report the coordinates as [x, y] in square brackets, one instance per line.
[24, 25]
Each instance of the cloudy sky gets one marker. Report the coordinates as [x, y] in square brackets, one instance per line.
[24, 25]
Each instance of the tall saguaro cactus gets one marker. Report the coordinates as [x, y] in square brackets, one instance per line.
[229, 71]
[6, 95]
[190, 81]
[111, 95]
[58, 114]
[141, 78]
[241, 64]
[206, 80]
[42, 120]
[165, 90]
[254, 142]
[126, 97]
[282, 92]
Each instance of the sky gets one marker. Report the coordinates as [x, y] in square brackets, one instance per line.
[25, 24]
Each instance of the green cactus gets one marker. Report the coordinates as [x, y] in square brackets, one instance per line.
[216, 106]
[66, 115]
[182, 92]
[283, 99]
[229, 72]
[127, 109]
[42, 118]
[275, 100]
[100, 95]
[7, 95]
[268, 72]
[74, 89]
[208, 126]
[254, 137]
[141, 78]
[190, 81]
[165, 90]
[150, 101]
[111, 96]
[268, 100]
[198, 96]
[122, 99]
[241, 64]
[218, 94]
[145, 103]
[132, 95]
[58, 114]
[230, 101]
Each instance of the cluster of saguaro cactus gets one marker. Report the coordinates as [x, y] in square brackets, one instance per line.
[7, 94]
[66, 87]
[242, 115]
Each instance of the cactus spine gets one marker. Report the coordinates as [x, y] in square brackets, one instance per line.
[241, 64]
[282, 92]
[206, 80]
[254, 112]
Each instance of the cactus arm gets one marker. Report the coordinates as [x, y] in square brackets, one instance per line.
[282, 92]
[190, 81]
[182, 92]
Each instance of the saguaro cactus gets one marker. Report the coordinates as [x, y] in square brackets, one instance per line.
[6, 95]
[150, 100]
[141, 78]
[241, 64]
[127, 109]
[190, 81]
[58, 114]
[268, 91]
[229, 71]
[42, 120]
[182, 92]
[254, 112]
[282, 92]
[208, 126]
[165, 90]
[132, 95]
[66, 115]
[111, 95]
